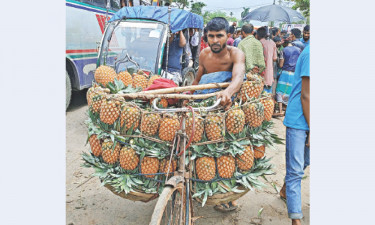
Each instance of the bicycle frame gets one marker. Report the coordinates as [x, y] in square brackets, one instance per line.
[181, 177]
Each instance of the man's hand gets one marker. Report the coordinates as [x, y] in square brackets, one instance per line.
[226, 100]
[308, 142]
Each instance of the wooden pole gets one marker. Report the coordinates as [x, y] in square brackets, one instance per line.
[175, 96]
[182, 89]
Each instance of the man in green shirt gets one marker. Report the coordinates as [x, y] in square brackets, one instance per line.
[253, 49]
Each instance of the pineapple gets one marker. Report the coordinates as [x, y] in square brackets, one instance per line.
[130, 116]
[254, 77]
[140, 81]
[205, 168]
[226, 166]
[96, 148]
[254, 113]
[109, 154]
[149, 165]
[96, 100]
[104, 74]
[199, 127]
[128, 158]
[251, 89]
[269, 105]
[164, 164]
[259, 151]
[168, 127]
[235, 120]
[213, 126]
[109, 111]
[89, 94]
[246, 160]
[163, 103]
[150, 123]
[151, 80]
[125, 77]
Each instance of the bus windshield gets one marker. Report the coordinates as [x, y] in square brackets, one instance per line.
[140, 40]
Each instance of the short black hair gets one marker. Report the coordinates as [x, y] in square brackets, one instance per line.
[218, 24]
[296, 32]
[275, 30]
[262, 32]
[276, 39]
[247, 28]
[306, 28]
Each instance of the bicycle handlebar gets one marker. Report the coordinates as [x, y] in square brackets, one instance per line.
[210, 108]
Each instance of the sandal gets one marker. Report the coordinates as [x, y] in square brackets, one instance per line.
[226, 207]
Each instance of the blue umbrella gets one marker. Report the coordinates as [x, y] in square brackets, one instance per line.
[274, 13]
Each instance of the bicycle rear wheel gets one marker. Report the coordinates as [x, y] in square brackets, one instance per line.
[171, 208]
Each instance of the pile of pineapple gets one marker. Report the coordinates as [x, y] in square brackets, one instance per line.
[131, 145]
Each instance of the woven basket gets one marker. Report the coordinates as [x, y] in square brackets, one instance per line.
[134, 196]
[218, 199]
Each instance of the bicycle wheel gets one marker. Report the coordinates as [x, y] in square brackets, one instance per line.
[171, 208]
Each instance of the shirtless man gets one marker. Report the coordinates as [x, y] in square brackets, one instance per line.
[221, 63]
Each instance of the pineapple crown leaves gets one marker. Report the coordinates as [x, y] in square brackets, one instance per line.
[126, 183]
[102, 169]
[116, 86]
[205, 189]
[261, 135]
[94, 129]
[129, 89]
[145, 147]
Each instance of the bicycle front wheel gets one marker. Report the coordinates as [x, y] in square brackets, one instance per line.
[171, 208]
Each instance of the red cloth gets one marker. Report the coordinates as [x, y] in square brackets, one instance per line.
[162, 83]
[203, 44]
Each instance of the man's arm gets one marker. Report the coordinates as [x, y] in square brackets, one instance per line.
[259, 57]
[305, 100]
[281, 63]
[182, 42]
[274, 52]
[201, 69]
[238, 73]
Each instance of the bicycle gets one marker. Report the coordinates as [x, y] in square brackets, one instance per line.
[175, 204]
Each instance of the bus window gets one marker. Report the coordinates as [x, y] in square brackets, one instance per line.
[115, 5]
[99, 3]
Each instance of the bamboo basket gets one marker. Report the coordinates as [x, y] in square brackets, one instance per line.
[218, 199]
[134, 196]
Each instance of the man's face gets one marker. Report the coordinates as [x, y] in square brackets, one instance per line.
[217, 40]
[278, 43]
[292, 37]
[306, 35]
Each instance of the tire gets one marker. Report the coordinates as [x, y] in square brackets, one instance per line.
[168, 208]
[68, 90]
[189, 75]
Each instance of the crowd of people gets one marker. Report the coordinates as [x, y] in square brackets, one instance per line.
[282, 58]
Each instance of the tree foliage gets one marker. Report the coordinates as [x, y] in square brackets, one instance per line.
[303, 6]
[181, 4]
[207, 16]
[244, 12]
[197, 7]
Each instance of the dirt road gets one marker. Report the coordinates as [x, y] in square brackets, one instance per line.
[87, 203]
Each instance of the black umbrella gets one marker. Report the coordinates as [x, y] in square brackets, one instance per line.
[274, 13]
